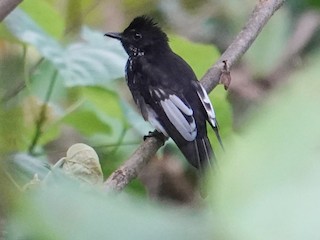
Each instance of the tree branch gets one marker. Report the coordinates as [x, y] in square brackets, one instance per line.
[6, 6]
[259, 17]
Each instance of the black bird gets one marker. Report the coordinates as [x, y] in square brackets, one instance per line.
[167, 91]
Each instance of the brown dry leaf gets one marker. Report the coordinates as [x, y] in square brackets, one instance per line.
[225, 77]
[82, 162]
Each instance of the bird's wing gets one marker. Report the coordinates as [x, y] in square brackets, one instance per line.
[206, 103]
[177, 110]
[203, 96]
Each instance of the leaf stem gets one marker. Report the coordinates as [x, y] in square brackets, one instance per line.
[42, 115]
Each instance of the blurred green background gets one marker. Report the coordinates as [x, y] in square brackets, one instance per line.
[62, 82]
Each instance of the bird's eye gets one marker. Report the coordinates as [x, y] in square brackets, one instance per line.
[137, 36]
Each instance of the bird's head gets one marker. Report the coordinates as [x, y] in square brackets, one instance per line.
[141, 36]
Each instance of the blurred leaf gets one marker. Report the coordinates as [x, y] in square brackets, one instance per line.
[23, 167]
[11, 129]
[105, 100]
[199, 56]
[40, 82]
[6, 34]
[94, 62]
[268, 186]
[135, 8]
[74, 15]
[32, 107]
[63, 211]
[25, 29]
[135, 119]
[88, 120]
[46, 16]
[314, 4]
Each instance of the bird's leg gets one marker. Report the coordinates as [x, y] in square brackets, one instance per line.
[157, 135]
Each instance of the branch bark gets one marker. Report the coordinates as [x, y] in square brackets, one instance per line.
[6, 6]
[259, 17]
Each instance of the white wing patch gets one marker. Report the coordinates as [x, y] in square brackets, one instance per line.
[177, 111]
[178, 102]
[207, 105]
[152, 118]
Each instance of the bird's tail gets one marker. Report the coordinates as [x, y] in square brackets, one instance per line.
[199, 153]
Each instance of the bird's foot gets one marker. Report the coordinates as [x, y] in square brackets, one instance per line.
[157, 135]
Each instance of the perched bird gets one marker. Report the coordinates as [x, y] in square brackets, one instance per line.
[166, 90]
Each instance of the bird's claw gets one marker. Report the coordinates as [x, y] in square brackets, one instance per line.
[155, 134]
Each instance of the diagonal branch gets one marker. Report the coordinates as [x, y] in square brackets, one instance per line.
[258, 19]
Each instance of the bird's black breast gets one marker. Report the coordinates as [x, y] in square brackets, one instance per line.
[137, 80]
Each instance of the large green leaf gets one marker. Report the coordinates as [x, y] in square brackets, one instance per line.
[94, 61]
[64, 211]
[88, 120]
[268, 186]
[199, 56]
[105, 100]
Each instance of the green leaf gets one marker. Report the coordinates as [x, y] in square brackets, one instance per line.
[12, 129]
[25, 29]
[199, 56]
[88, 120]
[135, 119]
[46, 16]
[268, 185]
[40, 82]
[22, 167]
[93, 62]
[64, 211]
[105, 100]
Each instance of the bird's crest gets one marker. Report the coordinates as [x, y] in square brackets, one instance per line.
[146, 24]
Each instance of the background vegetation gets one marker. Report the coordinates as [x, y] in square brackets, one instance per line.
[61, 82]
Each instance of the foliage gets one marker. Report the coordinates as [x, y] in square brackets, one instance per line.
[267, 188]
[90, 214]
[264, 187]
[86, 70]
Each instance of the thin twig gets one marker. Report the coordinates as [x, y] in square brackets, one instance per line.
[42, 116]
[259, 17]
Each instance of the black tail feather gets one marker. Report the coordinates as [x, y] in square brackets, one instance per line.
[216, 131]
[199, 153]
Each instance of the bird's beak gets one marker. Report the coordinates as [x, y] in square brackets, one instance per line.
[114, 35]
